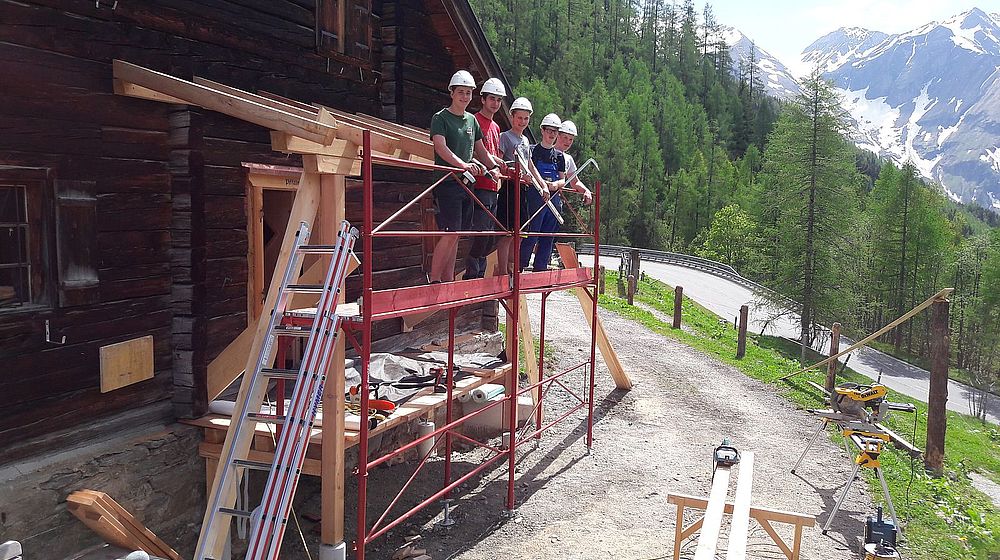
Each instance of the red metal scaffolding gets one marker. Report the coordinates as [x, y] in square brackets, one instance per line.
[379, 305]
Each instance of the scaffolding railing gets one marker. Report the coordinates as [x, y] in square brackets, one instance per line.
[383, 304]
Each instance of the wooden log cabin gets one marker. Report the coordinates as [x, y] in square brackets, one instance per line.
[131, 221]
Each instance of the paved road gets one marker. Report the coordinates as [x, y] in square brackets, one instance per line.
[724, 298]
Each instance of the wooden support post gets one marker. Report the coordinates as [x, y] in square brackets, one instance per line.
[831, 369]
[568, 256]
[527, 342]
[332, 212]
[630, 291]
[678, 297]
[937, 396]
[741, 336]
[633, 261]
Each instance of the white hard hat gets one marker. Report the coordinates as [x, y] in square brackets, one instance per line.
[568, 127]
[521, 104]
[493, 86]
[462, 78]
[552, 120]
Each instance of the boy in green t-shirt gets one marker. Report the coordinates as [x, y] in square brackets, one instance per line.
[456, 136]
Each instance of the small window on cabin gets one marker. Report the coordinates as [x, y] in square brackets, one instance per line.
[344, 29]
[21, 251]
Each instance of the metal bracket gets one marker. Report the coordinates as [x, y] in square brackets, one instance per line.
[48, 337]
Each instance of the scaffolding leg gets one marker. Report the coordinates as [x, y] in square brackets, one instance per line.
[843, 495]
[822, 426]
[888, 499]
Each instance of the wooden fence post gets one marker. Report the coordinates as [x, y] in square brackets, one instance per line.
[741, 337]
[630, 290]
[600, 281]
[937, 396]
[831, 368]
[678, 296]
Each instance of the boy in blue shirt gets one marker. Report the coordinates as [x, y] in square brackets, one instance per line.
[551, 166]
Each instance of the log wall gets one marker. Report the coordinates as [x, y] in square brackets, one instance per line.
[171, 243]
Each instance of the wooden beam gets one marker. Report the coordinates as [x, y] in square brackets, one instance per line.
[740, 525]
[709, 539]
[332, 212]
[568, 256]
[131, 90]
[757, 513]
[312, 113]
[303, 209]
[229, 364]
[322, 130]
[412, 144]
[943, 294]
[527, 343]
[332, 165]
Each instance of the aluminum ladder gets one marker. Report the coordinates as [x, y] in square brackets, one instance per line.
[269, 519]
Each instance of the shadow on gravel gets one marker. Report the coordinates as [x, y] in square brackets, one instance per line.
[844, 528]
[478, 506]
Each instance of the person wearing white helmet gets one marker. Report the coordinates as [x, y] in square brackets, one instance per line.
[551, 166]
[487, 185]
[456, 136]
[567, 134]
[511, 140]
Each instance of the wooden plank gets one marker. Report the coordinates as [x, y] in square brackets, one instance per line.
[85, 509]
[323, 132]
[900, 442]
[568, 256]
[407, 141]
[304, 209]
[740, 526]
[526, 342]
[126, 363]
[332, 165]
[906, 317]
[213, 451]
[708, 541]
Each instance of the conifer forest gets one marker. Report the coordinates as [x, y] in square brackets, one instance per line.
[695, 158]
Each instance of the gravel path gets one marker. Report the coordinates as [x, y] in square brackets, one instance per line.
[651, 441]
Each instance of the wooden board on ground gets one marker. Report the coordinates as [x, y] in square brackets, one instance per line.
[126, 363]
[115, 524]
[568, 257]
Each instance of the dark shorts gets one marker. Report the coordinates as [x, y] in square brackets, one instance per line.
[505, 207]
[453, 206]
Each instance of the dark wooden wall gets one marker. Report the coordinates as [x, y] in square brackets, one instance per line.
[171, 209]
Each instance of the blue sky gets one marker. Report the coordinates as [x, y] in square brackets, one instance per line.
[784, 27]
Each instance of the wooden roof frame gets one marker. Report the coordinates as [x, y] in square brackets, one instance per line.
[333, 136]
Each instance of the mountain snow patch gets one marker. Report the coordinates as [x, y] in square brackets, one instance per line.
[992, 157]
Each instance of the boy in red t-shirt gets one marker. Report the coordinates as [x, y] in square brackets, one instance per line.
[493, 93]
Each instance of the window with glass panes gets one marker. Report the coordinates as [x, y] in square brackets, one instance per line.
[19, 256]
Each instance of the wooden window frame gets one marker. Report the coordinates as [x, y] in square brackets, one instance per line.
[38, 225]
[332, 20]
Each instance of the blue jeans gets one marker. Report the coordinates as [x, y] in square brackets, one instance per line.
[544, 222]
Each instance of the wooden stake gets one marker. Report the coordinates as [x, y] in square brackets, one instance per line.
[937, 396]
[831, 370]
[741, 336]
[943, 294]
[678, 298]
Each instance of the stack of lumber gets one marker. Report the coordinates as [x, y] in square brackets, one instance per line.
[114, 524]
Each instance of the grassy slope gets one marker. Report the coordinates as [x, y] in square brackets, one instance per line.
[945, 518]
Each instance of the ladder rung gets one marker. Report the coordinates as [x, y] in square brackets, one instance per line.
[256, 465]
[291, 330]
[320, 249]
[272, 418]
[278, 373]
[236, 512]
[306, 288]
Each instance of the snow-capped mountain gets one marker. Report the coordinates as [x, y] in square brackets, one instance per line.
[777, 79]
[844, 45]
[930, 96]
